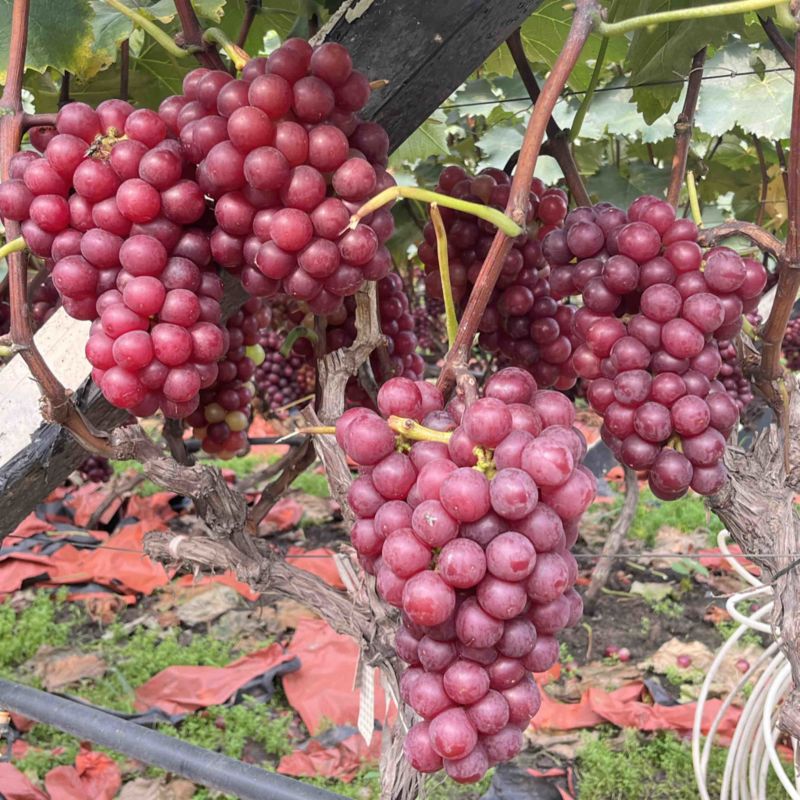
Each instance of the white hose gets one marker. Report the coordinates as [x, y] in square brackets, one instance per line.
[752, 752]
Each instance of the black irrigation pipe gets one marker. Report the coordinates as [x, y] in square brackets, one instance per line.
[202, 766]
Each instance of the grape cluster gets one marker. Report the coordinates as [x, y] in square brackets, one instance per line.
[466, 524]
[791, 344]
[656, 310]
[281, 379]
[397, 326]
[224, 414]
[44, 301]
[96, 469]
[287, 161]
[429, 325]
[523, 324]
[108, 208]
[732, 377]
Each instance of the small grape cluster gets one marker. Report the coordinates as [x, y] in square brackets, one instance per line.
[523, 324]
[791, 344]
[96, 469]
[429, 325]
[44, 301]
[225, 411]
[656, 309]
[282, 379]
[108, 208]
[287, 161]
[732, 377]
[397, 326]
[466, 521]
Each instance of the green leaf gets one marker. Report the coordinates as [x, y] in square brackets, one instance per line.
[152, 77]
[543, 35]
[430, 139]
[760, 107]
[499, 142]
[663, 52]
[610, 185]
[59, 35]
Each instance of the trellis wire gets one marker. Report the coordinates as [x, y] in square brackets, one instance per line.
[752, 751]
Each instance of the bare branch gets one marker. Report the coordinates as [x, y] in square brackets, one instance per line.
[776, 37]
[614, 540]
[207, 54]
[765, 241]
[762, 166]
[683, 128]
[558, 140]
[124, 69]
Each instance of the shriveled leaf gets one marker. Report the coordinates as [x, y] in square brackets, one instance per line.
[761, 107]
[430, 139]
[663, 53]
[59, 35]
[543, 36]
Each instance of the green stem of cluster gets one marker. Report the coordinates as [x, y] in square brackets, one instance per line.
[162, 37]
[236, 54]
[419, 433]
[14, 246]
[497, 218]
[451, 320]
[694, 200]
[577, 122]
[680, 15]
[300, 332]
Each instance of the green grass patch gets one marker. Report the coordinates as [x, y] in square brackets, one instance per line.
[648, 768]
[312, 483]
[47, 620]
[687, 514]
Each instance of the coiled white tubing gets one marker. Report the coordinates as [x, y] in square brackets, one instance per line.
[752, 752]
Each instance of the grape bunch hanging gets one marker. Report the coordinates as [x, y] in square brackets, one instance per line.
[657, 312]
[465, 516]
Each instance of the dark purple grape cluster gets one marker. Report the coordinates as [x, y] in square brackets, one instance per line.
[791, 344]
[656, 309]
[466, 521]
[287, 162]
[429, 325]
[731, 376]
[280, 379]
[522, 325]
[96, 469]
[225, 411]
[108, 206]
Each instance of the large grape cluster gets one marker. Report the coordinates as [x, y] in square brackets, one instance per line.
[468, 531]
[656, 309]
[287, 161]
[109, 210]
[523, 324]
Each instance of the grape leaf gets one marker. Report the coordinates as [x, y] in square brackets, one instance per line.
[543, 35]
[428, 140]
[59, 35]
[761, 107]
[664, 53]
[610, 185]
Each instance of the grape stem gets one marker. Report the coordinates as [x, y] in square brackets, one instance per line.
[444, 274]
[694, 201]
[683, 127]
[58, 406]
[680, 15]
[249, 17]
[418, 433]
[205, 52]
[517, 208]
[580, 114]
[497, 218]
[238, 56]
[789, 267]
[162, 37]
[314, 430]
[14, 246]
[557, 139]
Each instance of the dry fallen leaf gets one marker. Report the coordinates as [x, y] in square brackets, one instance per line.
[58, 669]
[211, 604]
